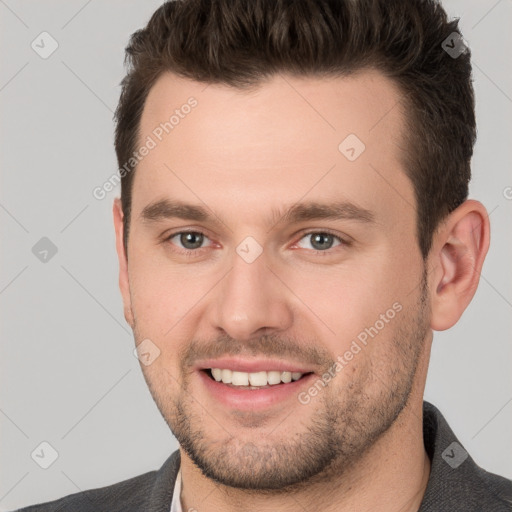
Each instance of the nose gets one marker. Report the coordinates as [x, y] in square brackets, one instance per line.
[251, 300]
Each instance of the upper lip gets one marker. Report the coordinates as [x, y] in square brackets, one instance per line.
[252, 365]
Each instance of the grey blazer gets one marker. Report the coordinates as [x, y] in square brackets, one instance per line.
[456, 483]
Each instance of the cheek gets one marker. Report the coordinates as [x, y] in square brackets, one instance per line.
[164, 383]
[359, 309]
[346, 298]
[158, 294]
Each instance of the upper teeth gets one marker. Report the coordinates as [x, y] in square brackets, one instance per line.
[253, 379]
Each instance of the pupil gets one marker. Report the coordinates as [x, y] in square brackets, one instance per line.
[322, 241]
[191, 240]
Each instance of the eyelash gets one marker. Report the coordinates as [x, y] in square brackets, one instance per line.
[191, 253]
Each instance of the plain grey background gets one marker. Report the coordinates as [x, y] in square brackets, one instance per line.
[68, 374]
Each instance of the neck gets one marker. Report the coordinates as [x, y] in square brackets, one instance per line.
[391, 476]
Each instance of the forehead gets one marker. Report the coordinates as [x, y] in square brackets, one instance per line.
[365, 103]
[273, 144]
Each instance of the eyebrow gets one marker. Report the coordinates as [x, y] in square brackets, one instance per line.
[165, 209]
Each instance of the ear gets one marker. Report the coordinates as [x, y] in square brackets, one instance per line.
[458, 251]
[124, 283]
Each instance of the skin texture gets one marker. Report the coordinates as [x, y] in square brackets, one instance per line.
[245, 156]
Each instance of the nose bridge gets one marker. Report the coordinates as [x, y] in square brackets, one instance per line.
[250, 299]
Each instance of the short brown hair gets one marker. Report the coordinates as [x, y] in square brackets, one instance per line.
[240, 43]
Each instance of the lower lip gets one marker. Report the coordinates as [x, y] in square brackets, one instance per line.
[254, 399]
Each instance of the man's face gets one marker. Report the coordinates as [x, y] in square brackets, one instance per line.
[251, 288]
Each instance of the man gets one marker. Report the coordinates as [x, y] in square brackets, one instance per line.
[292, 228]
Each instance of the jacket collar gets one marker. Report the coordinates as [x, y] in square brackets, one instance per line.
[455, 482]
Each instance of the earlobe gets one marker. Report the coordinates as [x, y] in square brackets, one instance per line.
[124, 283]
[459, 250]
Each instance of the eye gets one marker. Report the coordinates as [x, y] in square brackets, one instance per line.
[188, 240]
[321, 241]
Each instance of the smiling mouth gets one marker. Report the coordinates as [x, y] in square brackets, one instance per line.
[253, 380]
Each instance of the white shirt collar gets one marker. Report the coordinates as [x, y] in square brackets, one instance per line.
[176, 502]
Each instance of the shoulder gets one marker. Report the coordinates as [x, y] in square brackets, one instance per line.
[456, 481]
[499, 487]
[149, 491]
[112, 497]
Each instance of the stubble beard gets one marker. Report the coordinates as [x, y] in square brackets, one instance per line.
[344, 424]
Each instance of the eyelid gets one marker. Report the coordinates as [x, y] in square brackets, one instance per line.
[171, 233]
